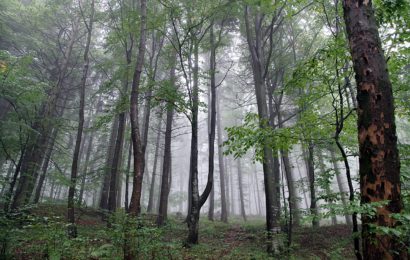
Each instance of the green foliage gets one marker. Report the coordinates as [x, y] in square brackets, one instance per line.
[251, 136]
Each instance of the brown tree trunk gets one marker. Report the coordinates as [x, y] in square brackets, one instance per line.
[166, 174]
[135, 205]
[72, 229]
[378, 154]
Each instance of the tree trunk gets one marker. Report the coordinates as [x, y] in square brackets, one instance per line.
[312, 188]
[193, 193]
[379, 157]
[166, 174]
[105, 189]
[135, 206]
[127, 178]
[272, 200]
[154, 169]
[72, 229]
[240, 185]
[224, 212]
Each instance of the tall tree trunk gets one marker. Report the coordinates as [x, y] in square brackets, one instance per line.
[228, 189]
[193, 193]
[212, 119]
[224, 212]
[240, 185]
[105, 189]
[127, 178]
[272, 199]
[379, 157]
[135, 205]
[154, 169]
[119, 142]
[72, 229]
[166, 174]
[311, 177]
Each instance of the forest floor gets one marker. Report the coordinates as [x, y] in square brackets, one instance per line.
[40, 234]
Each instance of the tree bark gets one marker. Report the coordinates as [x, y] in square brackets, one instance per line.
[135, 206]
[378, 153]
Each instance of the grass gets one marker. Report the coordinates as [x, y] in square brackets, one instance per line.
[42, 235]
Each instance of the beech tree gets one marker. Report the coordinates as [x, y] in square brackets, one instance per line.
[379, 157]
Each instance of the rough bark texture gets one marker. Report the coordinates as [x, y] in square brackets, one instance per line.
[378, 154]
[135, 206]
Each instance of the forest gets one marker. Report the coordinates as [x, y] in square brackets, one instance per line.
[213, 129]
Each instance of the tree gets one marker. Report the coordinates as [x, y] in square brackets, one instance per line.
[135, 204]
[72, 230]
[379, 157]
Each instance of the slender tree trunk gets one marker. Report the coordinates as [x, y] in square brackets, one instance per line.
[228, 193]
[166, 174]
[127, 178]
[240, 185]
[135, 205]
[224, 212]
[194, 209]
[72, 229]
[312, 188]
[154, 170]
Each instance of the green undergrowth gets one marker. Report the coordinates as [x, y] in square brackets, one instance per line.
[40, 233]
